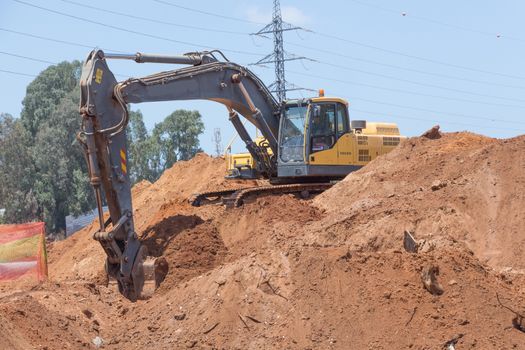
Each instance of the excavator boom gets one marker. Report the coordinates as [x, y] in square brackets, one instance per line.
[104, 113]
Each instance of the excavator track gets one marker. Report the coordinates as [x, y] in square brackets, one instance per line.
[234, 198]
[212, 197]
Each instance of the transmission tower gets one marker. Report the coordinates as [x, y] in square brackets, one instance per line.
[217, 140]
[278, 56]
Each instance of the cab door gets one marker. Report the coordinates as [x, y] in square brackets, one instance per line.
[322, 134]
[345, 142]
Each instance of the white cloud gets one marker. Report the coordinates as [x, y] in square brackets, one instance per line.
[291, 14]
[255, 14]
[294, 15]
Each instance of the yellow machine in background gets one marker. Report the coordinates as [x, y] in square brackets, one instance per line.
[243, 165]
[333, 142]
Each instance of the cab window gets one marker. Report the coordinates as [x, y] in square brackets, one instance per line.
[322, 126]
[292, 134]
[342, 120]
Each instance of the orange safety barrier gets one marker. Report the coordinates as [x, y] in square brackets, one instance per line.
[23, 251]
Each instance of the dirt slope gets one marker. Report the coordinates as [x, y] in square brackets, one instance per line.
[157, 207]
[284, 273]
[461, 187]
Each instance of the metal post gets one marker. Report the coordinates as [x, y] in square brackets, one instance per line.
[276, 28]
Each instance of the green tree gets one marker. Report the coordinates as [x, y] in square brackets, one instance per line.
[16, 171]
[43, 171]
[45, 92]
[140, 150]
[61, 185]
[177, 137]
[6, 127]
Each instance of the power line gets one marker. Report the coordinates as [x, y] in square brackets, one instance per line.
[45, 61]
[288, 43]
[419, 109]
[26, 57]
[148, 35]
[441, 23]
[393, 52]
[411, 107]
[433, 120]
[403, 91]
[437, 112]
[404, 80]
[53, 40]
[427, 85]
[60, 42]
[388, 65]
[447, 64]
[17, 73]
[153, 20]
[237, 19]
[300, 73]
[318, 61]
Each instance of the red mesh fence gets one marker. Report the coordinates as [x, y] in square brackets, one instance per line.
[23, 251]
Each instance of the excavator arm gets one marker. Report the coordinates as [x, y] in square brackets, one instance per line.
[103, 108]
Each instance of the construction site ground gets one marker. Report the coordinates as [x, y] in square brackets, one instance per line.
[283, 272]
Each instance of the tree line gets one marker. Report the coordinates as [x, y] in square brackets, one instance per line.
[43, 174]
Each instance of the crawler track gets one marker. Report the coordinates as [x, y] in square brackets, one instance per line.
[235, 197]
[212, 197]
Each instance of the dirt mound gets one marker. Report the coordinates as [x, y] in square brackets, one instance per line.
[158, 208]
[200, 174]
[461, 187]
[286, 273]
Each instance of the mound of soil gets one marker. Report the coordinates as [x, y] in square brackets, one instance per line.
[286, 273]
[461, 187]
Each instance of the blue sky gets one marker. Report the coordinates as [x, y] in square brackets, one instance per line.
[416, 63]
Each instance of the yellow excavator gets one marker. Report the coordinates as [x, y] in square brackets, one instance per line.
[308, 143]
[354, 146]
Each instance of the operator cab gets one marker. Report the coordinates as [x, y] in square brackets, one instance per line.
[317, 141]
[309, 127]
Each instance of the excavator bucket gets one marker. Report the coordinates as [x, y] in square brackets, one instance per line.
[148, 273]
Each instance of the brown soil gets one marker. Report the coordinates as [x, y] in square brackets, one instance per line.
[285, 273]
